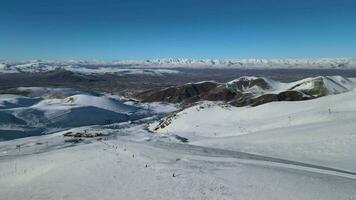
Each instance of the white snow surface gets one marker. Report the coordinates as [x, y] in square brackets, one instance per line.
[22, 116]
[313, 130]
[134, 163]
[83, 100]
[11, 101]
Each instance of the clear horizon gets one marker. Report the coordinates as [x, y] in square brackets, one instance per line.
[166, 58]
[196, 29]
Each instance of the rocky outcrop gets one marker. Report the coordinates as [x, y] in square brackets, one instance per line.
[256, 85]
[188, 93]
[250, 91]
[249, 100]
[219, 93]
[291, 95]
[322, 86]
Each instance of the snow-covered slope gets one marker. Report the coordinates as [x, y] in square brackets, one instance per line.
[13, 101]
[82, 100]
[314, 130]
[328, 84]
[315, 86]
[108, 170]
[231, 153]
[41, 114]
[280, 150]
[136, 67]
[214, 119]
[250, 90]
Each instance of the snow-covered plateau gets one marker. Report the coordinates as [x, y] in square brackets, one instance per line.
[63, 143]
[161, 65]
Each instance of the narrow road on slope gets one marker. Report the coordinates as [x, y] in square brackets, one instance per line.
[214, 152]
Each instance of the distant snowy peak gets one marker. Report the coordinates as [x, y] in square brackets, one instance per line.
[247, 63]
[112, 66]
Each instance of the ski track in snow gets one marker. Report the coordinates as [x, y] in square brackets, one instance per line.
[197, 172]
[213, 152]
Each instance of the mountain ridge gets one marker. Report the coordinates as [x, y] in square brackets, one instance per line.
[251, 91]
[110, 66]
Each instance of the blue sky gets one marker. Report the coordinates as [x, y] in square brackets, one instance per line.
[145, 29]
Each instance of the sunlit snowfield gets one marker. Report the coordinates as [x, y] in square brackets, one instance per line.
[293, 150]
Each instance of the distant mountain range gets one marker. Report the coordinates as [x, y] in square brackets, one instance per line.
[111, 66]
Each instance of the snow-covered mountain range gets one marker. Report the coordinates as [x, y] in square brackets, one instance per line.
[64, 142]
[116, 66]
